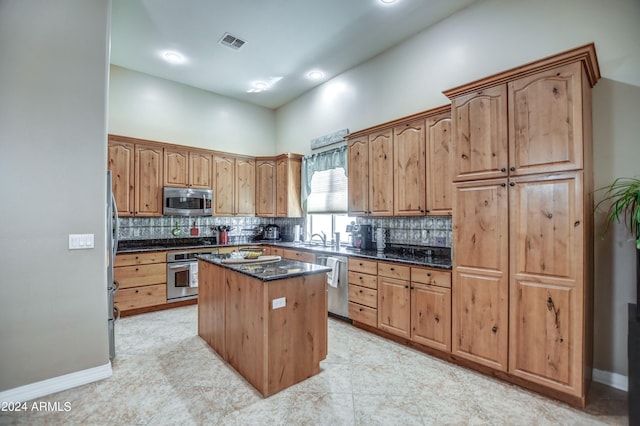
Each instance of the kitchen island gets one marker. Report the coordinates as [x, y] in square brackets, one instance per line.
[267, 320]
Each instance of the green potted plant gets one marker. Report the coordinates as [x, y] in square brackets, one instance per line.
[623, 198]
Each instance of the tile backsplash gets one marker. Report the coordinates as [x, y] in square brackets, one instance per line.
[434, 231]
[242, 228]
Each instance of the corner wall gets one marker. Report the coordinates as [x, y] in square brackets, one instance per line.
[53, 106]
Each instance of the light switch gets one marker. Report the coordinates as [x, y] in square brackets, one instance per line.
[81, 241]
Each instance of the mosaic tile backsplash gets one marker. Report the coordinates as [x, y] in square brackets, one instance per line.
[434, 231]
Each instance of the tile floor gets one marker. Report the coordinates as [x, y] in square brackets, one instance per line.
[164, 374]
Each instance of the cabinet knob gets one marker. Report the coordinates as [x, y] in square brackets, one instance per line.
[503, 170]
[513, 169]
[503, 184]
[512, 184]
[392, 269]
[428, 274]
[437, 319]
[494, 329]
[359, 291]
[406, 286]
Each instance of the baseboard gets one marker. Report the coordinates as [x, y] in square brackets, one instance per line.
[56, 384]
[608, 378]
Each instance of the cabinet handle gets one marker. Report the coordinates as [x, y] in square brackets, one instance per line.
[428, 274]
[577, 223]
[513, 169]
[392, 269]
[360, 309]
[413, 288]
[494, 329]
[512, 184]
[406, 286]
[503, 184]
[360, 291]
[437, 319]
[137, 269]
[503, 170]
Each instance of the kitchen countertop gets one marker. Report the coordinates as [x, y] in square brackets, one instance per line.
[270, 271]
[412, 257]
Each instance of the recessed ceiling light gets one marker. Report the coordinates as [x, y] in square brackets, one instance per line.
[314, 75]
[260, 85]
[173, 57]
[387, 1]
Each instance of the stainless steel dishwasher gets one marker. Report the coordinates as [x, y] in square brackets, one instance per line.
[338, 296]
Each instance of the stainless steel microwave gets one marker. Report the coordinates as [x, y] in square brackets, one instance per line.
[187, 202]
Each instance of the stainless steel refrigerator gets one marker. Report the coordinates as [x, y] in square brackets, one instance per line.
[112, 247]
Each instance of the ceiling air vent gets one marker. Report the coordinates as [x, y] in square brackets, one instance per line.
[231, 41]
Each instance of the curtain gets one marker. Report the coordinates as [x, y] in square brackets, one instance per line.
[331, 159]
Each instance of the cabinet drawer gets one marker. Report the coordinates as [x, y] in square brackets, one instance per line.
[302, 256]
[363, 314]
[364, 280]
[140, 297]
[129, 259]
[393, 270]
[361, 265]
[431, 277]
[363, 296]
[227, 250]
[137, 276]
[277, 251]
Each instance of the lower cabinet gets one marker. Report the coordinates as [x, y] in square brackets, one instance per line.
[302, 256]
[363, 291]
[394, 295]
[431, 316]
[142, 278]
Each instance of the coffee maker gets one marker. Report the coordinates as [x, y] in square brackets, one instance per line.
[363, 237]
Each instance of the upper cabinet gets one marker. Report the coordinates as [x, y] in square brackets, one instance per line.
[480, 134]
[288, 185]
[235, 180]
[370, 160]
[409, 171]
[136, 173]
[402, 168]
[189, 169]
[439, 164]
[266, 187]
[546, 121]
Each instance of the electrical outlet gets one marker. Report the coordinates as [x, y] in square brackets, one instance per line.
[279, 303]
[440, 241]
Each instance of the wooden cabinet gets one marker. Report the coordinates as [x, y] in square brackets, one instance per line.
[189, 169]
[266, 187]
[288, 186]
[546, 121]
[370, 183]
[363, 291]
[439, 164]
[234, 186]
[480, 272]
[525, 239]
[409, 171]
[302, 256]
[547, 254]
[394, 309]
[121, 158]
[142, 278]
[148, 180]
[480, 134]
[136, 173]
[431, 316]
[211, 307]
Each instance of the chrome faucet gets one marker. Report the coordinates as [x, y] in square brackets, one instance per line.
[323, 237]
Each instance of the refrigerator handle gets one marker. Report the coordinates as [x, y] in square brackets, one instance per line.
[117, 316]
[116, 231]
[116, 286]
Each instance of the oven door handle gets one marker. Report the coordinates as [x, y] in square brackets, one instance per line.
[178, 265]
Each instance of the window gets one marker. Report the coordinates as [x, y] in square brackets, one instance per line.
[327, 204]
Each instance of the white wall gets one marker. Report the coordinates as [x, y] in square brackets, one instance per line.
[152, 108]
[53, 84]
[488, 37]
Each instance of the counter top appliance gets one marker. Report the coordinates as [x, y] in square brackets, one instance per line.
[187, 202]
[271, 232]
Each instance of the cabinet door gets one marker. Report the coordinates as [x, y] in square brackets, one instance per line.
[480, 272]
[121, 163]
[224, 184]
[176, 168]
[245, 187]
[381, 173]
[358, 183]
[394, 310]
[200, 170]
[479, 130]
[439, 165]
[211, 309]
[148, 181]
[409, 171]
[545, 121]
[547, 254]
[266, 188]
[431, 316]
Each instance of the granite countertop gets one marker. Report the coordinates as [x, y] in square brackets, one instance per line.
[270, 271]
[440, 258]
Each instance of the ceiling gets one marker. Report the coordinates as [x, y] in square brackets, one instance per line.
[285, 40]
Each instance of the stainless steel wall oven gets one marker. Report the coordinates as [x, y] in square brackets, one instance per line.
[182, 274]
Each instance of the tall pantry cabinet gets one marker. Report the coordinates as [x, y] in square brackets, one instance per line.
[522, 223]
